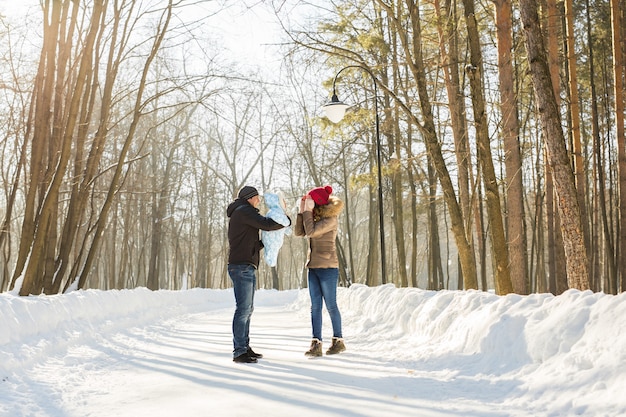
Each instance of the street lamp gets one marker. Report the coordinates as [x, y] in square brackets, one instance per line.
[335, 110]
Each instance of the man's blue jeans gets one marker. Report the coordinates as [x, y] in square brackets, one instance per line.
[244, 284]
[323, 285]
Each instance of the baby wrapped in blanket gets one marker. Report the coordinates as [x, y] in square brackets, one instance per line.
[273, 240]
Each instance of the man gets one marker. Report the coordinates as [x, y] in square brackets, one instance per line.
[243, 261]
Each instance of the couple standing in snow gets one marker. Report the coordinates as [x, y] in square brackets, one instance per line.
[317, 219]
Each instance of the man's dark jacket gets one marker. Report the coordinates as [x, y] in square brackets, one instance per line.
[243, 232]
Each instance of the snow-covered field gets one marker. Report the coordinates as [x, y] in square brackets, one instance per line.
[410, 353]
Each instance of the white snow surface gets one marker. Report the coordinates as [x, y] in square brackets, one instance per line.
[410, 352]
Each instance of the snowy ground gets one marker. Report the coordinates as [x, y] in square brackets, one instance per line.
[410, 353]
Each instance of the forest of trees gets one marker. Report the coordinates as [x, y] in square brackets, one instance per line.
[126, 129]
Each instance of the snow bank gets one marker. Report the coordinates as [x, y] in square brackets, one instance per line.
[537, 346]
[516, 330]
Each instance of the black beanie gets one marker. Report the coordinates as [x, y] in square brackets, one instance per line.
[247, 192]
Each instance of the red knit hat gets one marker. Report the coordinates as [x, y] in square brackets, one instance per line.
[320, 194]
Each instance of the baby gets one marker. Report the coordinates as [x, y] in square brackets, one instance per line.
[273, 240]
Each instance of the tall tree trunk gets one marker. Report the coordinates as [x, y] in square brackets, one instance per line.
[579, 168]
[395, 137]
[160, 194]
[516, 222]
[348, 224]
[398, 221]
[571, 222]
[494, 210]
[600, 217]
[556, 253]
[541, 285]
[413, 202]
[435, 269]
[373, 277]
[202, 255]
[618, 88]
[448, 31]
[481, 232]
[39, 118]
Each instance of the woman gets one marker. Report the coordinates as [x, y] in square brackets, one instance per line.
[317, 220]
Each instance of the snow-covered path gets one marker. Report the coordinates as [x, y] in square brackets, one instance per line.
[185, 364]
[169, 354]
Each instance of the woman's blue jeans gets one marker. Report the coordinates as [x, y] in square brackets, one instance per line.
[323, 286]
[244, 284]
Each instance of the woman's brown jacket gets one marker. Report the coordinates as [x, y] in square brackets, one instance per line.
[320, 226]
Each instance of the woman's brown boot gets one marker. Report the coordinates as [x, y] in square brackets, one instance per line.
[315, 349]
[336, 346]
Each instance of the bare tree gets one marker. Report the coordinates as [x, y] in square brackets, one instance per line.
[37, 244]
[447, 26]
[618, 88]
[576, 256]
[516, 221]
[574, 115]
[475, 73]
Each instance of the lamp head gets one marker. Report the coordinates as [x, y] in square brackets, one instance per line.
[335, 110]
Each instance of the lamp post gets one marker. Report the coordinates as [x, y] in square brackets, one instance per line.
[335, 110]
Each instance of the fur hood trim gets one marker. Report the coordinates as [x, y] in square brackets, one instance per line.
[332, 209]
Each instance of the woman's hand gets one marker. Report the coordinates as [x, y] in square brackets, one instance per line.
[302, 201]
[309, 204]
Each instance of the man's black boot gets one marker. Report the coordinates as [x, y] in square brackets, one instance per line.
[244, 358]
[253, 354]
